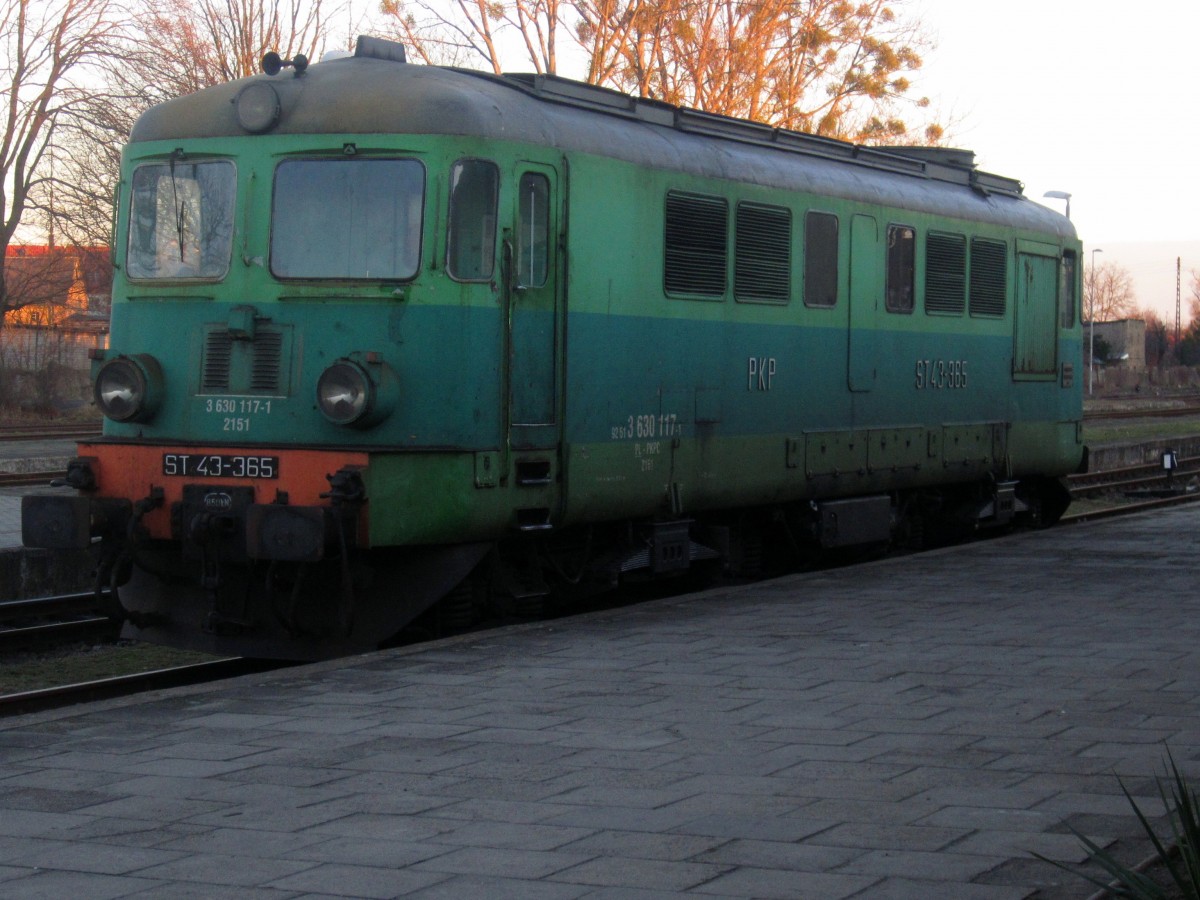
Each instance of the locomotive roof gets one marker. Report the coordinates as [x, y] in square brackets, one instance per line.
[368, 95]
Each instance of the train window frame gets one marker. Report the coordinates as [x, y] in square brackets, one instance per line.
[762, 254]
[987, 282]
[218, 252]
[821, 267]
[695, 246]
[1068, 295]
[285, 221]
[485, 271]
[945, 291]
[900, 286]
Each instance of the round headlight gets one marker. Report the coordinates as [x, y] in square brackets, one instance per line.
[345, 394]
[257, 107]
[128, 388]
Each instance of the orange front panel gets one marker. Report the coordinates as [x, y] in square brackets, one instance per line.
[132, 470]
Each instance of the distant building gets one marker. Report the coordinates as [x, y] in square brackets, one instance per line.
[1126, 341]
[63, 301]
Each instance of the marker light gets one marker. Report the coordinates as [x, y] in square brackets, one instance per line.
[257, 107]
[345, 394]
[129, 388]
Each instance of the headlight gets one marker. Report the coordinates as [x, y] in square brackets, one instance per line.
[129, 388]
[345, 394]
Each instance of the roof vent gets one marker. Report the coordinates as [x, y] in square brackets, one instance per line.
[379, 48]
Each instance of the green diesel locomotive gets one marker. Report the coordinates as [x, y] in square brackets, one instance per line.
[392, 341]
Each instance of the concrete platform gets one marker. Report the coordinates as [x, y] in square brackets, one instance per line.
[914, 728]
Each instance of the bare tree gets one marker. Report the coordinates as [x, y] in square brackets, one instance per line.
[1109, 293]
[822, 66]
[1158, 340]
[1194, 300]
[471, 32]
[187, 45]
[49, 49]
[180, 46]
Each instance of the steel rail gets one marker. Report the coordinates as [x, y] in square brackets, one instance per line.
[29, 479]
[48, 431]
[44, 607]
[1124, 509]
[1166, 412]
[55, 634]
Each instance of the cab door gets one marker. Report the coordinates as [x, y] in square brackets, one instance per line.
[865, 291]
[1035, 324]
[533, 309]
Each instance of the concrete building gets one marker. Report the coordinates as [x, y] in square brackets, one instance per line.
[1126, 340]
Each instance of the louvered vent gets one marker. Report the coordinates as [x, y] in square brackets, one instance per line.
[255, 366]
[989, 277]
[696, 229]
[264, 371]
[945, 273]
[762, 253]
[218, 361]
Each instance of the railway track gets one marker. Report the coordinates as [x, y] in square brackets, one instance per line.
[1132, 478]
[1166, 412]
[45, 431]
[29, 479]
[124, 685]
[67, 619]
[54, 621]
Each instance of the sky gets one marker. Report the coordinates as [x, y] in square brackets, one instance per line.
[1083, 97]
[1088, 98]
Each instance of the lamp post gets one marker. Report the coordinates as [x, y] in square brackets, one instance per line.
[1060, 195]
[1092, 319]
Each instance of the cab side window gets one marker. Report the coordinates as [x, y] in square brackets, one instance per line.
[901, 254]
[533, 238]
[471, 243]
[1066, 291]
[820, 259]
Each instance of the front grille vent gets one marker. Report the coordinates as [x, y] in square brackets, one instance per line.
[256, 366]
[264, 374]
[218, 358]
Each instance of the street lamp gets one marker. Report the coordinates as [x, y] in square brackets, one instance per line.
[1092, 319]
[1060, 195]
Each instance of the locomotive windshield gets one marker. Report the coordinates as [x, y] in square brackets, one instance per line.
[347, 219]
[181, 222]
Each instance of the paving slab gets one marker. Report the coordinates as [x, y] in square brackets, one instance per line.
[912, 728]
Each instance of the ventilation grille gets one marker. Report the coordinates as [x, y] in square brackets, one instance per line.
[762, 265]
[989, 277]
[945, 273]
[218, 359]
[696, 229]
[264, 370]
[243, 367]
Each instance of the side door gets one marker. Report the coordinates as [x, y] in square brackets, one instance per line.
[866, 290]
[1035, 341]
[534, 280]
